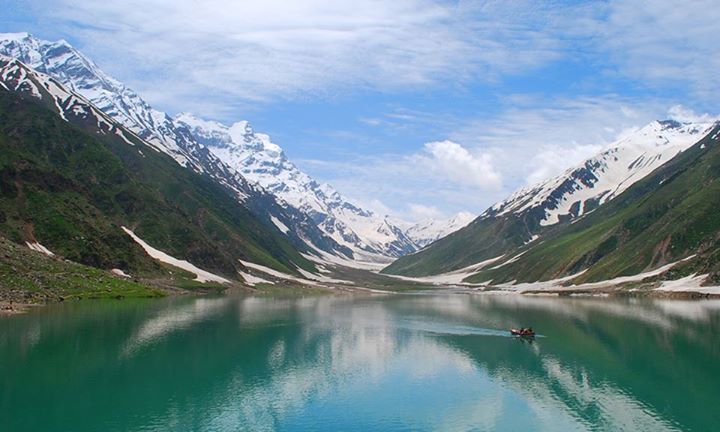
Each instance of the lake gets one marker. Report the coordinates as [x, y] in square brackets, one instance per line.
[360, 363]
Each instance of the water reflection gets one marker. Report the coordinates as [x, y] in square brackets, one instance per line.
[418, 362]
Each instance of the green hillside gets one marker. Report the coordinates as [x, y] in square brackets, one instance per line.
[481, 240]
[670, 215]
[27, 276]
[71, 189]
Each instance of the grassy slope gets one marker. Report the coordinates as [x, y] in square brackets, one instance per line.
[669, 215]
[29, 277]
[479, 241]
[72, 191]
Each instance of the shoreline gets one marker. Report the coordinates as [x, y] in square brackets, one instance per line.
[11, 307]
[634, 293]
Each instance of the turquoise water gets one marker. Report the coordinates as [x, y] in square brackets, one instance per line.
[355, 363]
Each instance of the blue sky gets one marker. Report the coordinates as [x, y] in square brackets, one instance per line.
[414, 108]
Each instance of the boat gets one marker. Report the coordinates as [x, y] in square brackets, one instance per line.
[522, 332]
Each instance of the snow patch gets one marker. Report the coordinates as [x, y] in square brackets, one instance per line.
[254, 280]
[278, 223]
[532, 239]
[201, 275]
[692, 283]
[510, 261]
[277, 274]
[372, 263]
[119, 133]
[557, 284]
[323, 278]
[37, 247]
[119, 272]
[454, 277]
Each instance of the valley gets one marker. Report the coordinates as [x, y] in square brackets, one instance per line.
[182, 204]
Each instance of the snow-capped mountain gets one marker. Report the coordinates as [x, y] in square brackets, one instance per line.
[113, 178]
[83, 77]
[313, 215]
[601, 178]
[64, 63]
[15, 76]
[260, 160]
[425, 232]
[511, 226]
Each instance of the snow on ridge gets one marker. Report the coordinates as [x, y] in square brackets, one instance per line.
[606, 175]
[427, 231]
[79, 74]
[260, 160]
[201, 275]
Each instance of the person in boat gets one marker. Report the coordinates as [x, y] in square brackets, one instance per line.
[529, 330]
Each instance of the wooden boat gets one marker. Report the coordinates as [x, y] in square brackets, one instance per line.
[522, 333]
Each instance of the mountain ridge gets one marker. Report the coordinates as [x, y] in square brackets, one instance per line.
[73, 69]
[663, 227]
[259, 159]
[72, 178]
[311, 225]
[522, 218]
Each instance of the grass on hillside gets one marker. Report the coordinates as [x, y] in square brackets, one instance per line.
[27, 276]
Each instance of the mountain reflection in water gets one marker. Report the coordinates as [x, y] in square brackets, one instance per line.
[405, 362]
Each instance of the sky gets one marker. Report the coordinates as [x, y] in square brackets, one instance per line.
[413, 108]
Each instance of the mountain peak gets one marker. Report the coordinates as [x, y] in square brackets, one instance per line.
[606, 175]
[260, 160]
[228, 153]
[427, 231]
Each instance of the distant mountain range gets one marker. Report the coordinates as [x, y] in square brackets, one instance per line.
[315, 216]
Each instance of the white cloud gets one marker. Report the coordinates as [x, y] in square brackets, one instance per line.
[422, 212]
[487, 158]
[454, 162]
[662, 42]
[534, 138]
[275, 48]
[684, 114]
